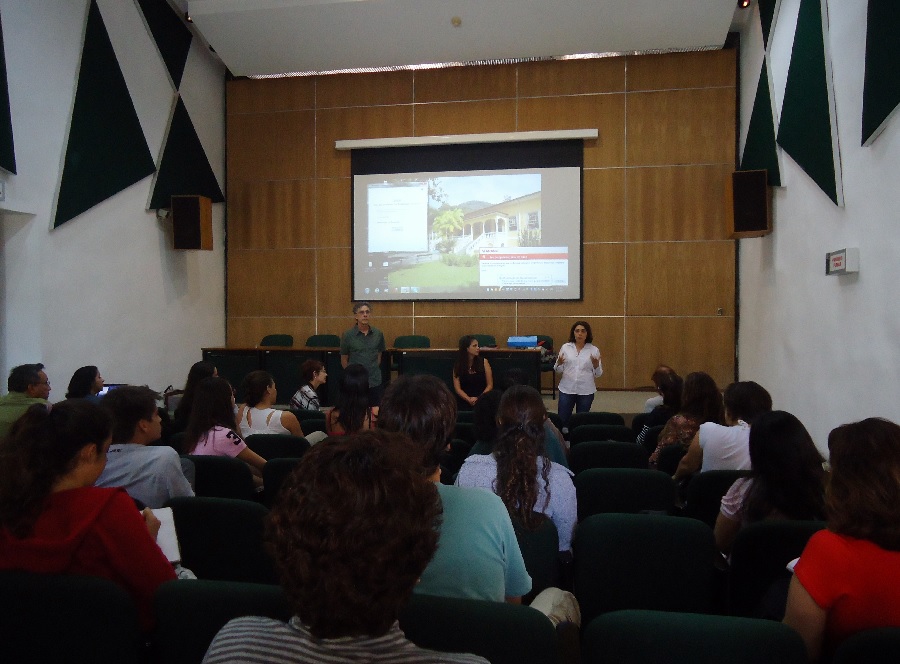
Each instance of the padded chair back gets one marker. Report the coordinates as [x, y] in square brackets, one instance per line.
[190, 614]
[625, 490]
[872, 646]
[412, 341]
[277, 340]
[314, 424]
[600, 432]
[649, 637]
[222, 539]
[500, 632]
[465, 416]
[323, 341]
[222, 477]
[465, 431]
[651, 440]
[705, 491]
[540, 549]
[598, 417]
[607, 454]
[556, 419]
[637, 422]
[486, 340]
[277, 446]
[669, 458]
[176, 441]
[643, 561]
[303, 415]
[758, 558]
[275, 472]
[60, 618]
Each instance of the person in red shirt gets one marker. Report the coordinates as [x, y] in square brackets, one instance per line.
[848, 577]
[54, 521]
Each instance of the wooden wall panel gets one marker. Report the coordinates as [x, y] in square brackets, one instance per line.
[681, 127]
[471, 117]
[604, 112]
[573, 77]
[333, 207]
[266, 96]
[248, 332]
[445, 332]
[466, 83]
[270, 146]
[465, 309]
[375, 89]
[685, 344]
[604, 204]
[354, 123]
[271, 215]
[333, 282]
[677, 202]
[682, 70]
[275, 282]
[680, 278]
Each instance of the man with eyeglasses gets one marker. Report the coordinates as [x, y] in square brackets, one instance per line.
[27, 385]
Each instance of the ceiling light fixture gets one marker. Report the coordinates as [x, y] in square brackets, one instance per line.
[743, 4]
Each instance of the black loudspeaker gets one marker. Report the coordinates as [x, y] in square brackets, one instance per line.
[192, 222]
[748, 204]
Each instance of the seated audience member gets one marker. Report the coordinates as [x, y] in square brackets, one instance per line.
[478, 556]
[258, 416]
[848, 577]
[701, 402]
[198, 371]
[670, 387]
[211, 429]
[54, 521]
[86, 383]
[149, 474]
[518, 470]
[717, 447]
[27, 385]
[787, 480]
[656, 378]
[313, 374]
[356, 508]
[352, 412]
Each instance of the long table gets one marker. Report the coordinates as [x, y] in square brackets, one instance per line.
[284, 365]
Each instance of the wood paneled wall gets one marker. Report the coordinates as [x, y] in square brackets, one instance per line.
[659, 271]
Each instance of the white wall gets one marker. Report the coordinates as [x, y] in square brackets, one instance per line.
[106, 288]
[826, 347]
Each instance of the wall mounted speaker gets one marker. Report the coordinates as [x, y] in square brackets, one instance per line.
[192, 222]
[748, 204]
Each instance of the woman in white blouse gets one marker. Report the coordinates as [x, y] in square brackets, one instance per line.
[578, 362]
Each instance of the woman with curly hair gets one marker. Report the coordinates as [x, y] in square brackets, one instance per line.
[787, 480]
[848, 577]
[701, 401]
[53, 520]
[518, 470]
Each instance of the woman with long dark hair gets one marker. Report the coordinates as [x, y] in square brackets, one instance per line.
[578, 363]
[198, 371]
[212, 428]
[86, 383]
[54, 521]
[472, 374]
[352, 412]
[848, 577]
[787, 479]
[701, 401]
[518, 470]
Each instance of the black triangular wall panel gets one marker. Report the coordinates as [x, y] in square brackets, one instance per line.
[760, 151]
[107, 151]
[172, 37]
[766, 16]
[7, 149]
[184, 168]
[881, 87]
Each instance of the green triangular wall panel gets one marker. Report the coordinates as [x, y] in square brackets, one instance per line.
[106, 151]
[881, 87]
[808, 129]
[7, 149]
[767, 18]
[760, 151]
[184, 168]
[172, 37]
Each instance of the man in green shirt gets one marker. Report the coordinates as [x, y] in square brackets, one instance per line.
[27, 385]
[364, 344]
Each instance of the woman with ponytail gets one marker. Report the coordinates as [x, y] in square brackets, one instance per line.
[518, 470]
[53, 520]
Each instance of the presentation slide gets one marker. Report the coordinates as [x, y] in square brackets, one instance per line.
[468, 235]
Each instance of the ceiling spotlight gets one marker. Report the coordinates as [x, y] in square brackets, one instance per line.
[743, 4]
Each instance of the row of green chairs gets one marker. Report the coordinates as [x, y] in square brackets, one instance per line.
[334, 341]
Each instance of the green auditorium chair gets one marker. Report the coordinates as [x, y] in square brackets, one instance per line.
[871, 646]
[275, 472]
[323, 341]
[277, 340]
[624, 490]
[606, 454]
[600, 432]
[222, 477]
[598, 417]
[705, 491]
[540, 549]
[277, 446]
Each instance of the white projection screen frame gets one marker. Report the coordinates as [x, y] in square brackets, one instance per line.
[468, 221]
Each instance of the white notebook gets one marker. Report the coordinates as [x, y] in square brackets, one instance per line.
[167, 538]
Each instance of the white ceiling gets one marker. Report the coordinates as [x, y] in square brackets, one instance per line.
[258, 37]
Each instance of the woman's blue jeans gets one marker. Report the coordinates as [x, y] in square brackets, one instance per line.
[581, 403]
